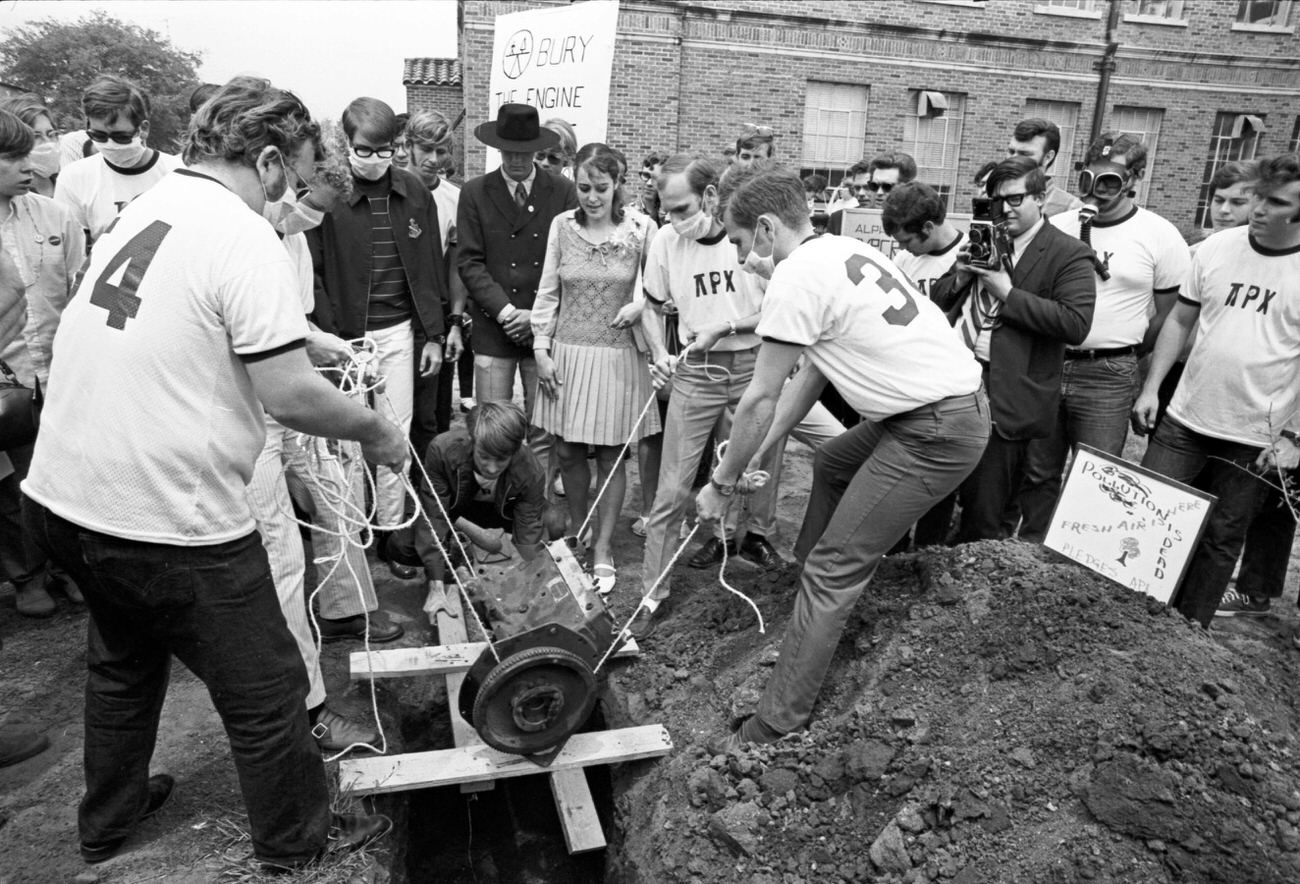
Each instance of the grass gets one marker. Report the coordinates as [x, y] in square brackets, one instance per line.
[235, 864]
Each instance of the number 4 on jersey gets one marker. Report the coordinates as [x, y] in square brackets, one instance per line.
[887, 283]
[120, 298]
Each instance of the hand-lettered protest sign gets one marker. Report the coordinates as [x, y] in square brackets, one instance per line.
[1127, 523]
[865, 225]
[558, 60]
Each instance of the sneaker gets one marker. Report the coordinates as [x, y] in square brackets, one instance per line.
[711, 553]
[756, 550]
[160, 792]
[1237, 604]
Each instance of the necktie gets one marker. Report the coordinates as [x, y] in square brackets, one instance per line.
[978, 314]
[521, 195]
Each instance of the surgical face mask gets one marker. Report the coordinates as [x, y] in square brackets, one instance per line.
[757, 265]
[123, 155]
[695, 227]
[44, 160]
[298, 218]
[370, 168]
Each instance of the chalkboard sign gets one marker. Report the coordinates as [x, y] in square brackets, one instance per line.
[1127, 523]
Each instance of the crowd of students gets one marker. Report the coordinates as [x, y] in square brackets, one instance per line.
[712, 298]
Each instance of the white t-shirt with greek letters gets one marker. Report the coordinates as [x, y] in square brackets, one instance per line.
[702, 278]
[1242, 375]
[152, 427]
[884, 346]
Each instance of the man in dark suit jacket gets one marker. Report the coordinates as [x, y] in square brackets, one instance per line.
[502, 225]
[1018, 319]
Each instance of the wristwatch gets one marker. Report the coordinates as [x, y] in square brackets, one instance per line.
[456, 320]
[724, 490]
[438, 339]
[1291, 436]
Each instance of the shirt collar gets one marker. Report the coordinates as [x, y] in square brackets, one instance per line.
[1022, 241]
[512, 184]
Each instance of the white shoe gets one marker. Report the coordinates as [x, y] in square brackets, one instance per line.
[467, 403]
[639, 526]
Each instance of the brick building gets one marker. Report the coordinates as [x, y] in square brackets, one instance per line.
[1203, 81]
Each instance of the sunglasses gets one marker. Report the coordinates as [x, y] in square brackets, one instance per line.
[749, 130]
[366, 152]
[1101, 184]
[116, 137]
[556, 159]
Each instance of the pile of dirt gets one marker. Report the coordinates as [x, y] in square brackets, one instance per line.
[993, 714]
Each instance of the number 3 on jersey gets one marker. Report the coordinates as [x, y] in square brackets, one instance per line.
[887, 283]
[120, 298]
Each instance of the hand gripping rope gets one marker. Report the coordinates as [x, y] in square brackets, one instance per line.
[756, 479]
[359, 376]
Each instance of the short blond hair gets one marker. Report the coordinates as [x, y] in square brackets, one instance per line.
[498, 428]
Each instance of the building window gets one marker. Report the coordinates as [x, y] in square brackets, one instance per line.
[1065, 114]
[932, 135]
[1235, 137]
[1264, 13]
[1172, 10]
[834, 128]
[1074, 8]
[1075, 5]
[1143, 122]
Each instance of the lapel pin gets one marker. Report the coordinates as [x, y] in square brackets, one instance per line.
[530, 208]
[414, 230]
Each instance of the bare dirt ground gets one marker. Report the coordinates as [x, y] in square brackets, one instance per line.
[993, 715]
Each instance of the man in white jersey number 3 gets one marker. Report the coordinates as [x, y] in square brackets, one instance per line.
[897, 361]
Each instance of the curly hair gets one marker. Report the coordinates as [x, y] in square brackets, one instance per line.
[245, 116]
[597, 157]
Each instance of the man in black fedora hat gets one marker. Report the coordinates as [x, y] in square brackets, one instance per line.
[502, 225]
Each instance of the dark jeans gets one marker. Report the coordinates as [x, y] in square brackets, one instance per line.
[1267, 550]
[1225, 471]
[869, 485]
[214, 608]
[985, 495]
[1096, 400]
[21, 560]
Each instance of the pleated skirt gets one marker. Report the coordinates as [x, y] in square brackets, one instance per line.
[604, 391]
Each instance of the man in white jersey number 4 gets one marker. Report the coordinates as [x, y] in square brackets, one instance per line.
[897, 361]
[1232, 424]
[187, 330]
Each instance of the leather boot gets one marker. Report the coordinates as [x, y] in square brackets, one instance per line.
[33, 599]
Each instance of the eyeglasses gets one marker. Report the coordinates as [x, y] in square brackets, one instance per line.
[1013, 200]
[366, 152]
[553, 158]
[1101, 184]
[646, 176]
[116, 137]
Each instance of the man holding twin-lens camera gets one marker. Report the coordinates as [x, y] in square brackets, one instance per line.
[1016, 312]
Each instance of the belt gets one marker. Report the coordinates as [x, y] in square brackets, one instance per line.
[952, 403]
[1103, 353]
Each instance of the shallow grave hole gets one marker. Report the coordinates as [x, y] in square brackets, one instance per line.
[510, 833]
